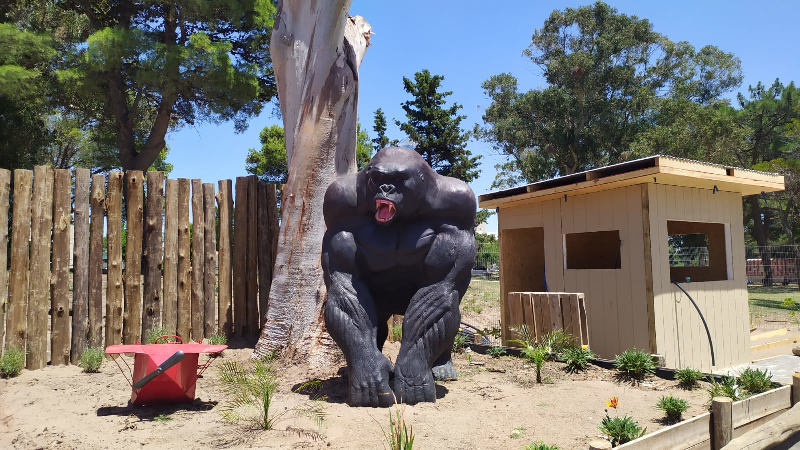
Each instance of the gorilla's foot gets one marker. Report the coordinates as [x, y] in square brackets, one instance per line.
[369, 384]
[413, 388]
[445, 372]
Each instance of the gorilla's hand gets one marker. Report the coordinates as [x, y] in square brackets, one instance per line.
[369, 382]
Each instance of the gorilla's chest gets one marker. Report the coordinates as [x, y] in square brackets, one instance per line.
[394, 247]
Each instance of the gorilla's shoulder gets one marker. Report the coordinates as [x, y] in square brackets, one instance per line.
[341, 199]
[454, 199]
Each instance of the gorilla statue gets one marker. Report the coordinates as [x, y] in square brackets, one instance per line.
[399, 240]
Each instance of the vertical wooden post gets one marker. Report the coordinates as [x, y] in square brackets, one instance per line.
[59, 285]
[170, 299]
[599, 444]
[80, 266]
[5, 188]
[153, 252]
[240, 257]
[198, 259]
[210, 261]
[795, 388]
[274, 219]
[225, 204]
[721, 421]
[184, 262]
[114, 287]
[16, 322]
[41, 238]
[132, 319]
[253, 322]
[264, 250]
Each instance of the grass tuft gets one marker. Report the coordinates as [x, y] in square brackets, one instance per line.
[92, 359]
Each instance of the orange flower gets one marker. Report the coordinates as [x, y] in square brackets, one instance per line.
[612, 402]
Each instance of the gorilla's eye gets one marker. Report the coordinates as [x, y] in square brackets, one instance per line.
[372, 183]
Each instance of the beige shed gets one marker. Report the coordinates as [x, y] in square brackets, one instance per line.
[622, 234]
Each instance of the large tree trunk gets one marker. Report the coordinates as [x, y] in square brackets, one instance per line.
[316, 51]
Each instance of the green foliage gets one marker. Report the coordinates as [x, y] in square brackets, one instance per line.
[11, 362]
[155, 333]
[218, 339]
[540, 445]
[755, 381]
[363, 147]
[621, 429]
[725, 388]
[162, 418]
[459, 342]
[269, 163]
[557, 341]
[379, 127]
[92, 359]
[634, 364]
[673, 407]
[537, 355]
[517, 432]
[397, 332]
[496, 351]
[688, 377]
[577, 359]
[436, 129]
[400, 435]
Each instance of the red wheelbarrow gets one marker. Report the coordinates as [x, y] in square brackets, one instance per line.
[164, 373]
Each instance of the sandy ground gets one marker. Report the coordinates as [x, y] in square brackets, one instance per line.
[62, 407]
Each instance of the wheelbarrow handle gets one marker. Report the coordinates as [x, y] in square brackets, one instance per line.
[171, 361]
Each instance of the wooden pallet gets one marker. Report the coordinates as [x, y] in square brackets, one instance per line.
[543, 312]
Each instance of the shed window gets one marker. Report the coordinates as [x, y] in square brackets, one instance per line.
[592, 250]
[698, 251]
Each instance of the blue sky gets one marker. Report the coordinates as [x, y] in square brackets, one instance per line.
[466, 41]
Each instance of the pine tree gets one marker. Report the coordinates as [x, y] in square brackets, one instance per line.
[379, 126]
[435, 128]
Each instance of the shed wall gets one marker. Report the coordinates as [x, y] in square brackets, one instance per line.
[680, 335]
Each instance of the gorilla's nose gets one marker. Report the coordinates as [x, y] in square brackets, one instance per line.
[387, 189]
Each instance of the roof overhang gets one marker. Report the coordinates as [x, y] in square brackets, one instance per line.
[654, 169]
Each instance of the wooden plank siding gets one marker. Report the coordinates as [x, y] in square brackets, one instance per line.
[680, 335]
[5, 190]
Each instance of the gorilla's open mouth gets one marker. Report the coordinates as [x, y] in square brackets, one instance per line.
[384, 210]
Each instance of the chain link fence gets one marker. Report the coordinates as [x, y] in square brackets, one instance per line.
[487, 260]
[770, 265]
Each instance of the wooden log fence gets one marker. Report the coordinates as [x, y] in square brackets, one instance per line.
[80, 275]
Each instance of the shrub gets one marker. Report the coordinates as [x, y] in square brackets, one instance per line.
[397, 332]
[634, 364]
[577, 359]
[621, 429]
[725, 388]
[400, 436]
[496, 351]
[688, 377]
[673, 407]
[754, 381]
[155, 333]
[537, 355]
[539, 445]
[557, 341]
[459, 342]
[11, 362]
[218, 339]
[92, 359]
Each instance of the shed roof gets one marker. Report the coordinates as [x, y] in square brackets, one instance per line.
[653, 169]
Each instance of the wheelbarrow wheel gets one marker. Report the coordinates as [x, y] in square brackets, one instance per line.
[176, 339]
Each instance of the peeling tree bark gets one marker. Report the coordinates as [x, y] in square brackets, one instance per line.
[316, 51]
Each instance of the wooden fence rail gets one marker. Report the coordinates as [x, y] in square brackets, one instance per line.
[79, 276]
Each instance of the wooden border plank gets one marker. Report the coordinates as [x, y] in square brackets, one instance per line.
[556, 317]
[253, 320]
[760, 405]
[132, 319]
[528, 314]
[682, 435]
[153, 252]
[39, 284]
[541, 304]
[210, 262]
[5, 190]
[80, 265]
[572, 317]
[114, 286]
[16, 322]
[184, 300]
[198, 260]
[240, 256]
[225, 205]
[59, 287]
[514, 312]
[169, 318]
[584, 324]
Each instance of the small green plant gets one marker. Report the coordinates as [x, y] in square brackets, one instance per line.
[162, 418]
[725, 388]
[397, 332]
[517, 432]
[459, 342]
[254, 387]
[400, 436]
[525, 337]
[577, 359]
[155, 333]
[92, 359]
[688, 377]
[557, 341]
[218, 339]
[754, 381]
[11, 362]
[621, 429]
[673, 407]
[634, 364]
[496, 351]
[537, 355]
[539, 445]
